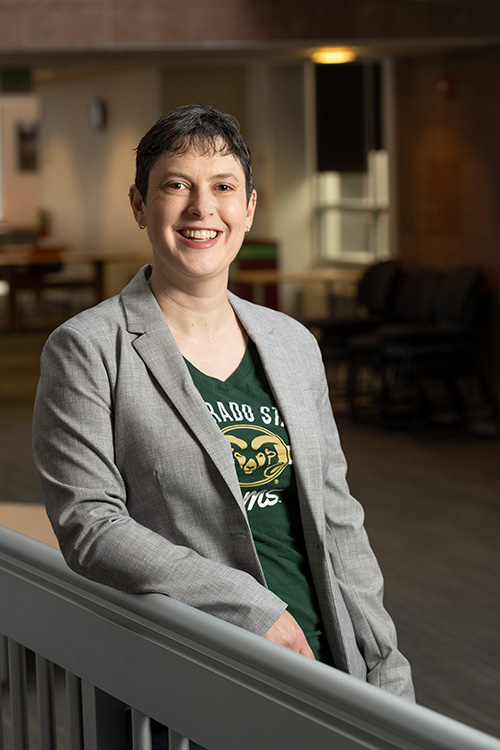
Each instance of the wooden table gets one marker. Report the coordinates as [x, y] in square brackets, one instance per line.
[341, 281]
[25, 267]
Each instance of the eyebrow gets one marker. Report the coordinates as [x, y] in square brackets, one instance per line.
[226, 176]
[181, 175]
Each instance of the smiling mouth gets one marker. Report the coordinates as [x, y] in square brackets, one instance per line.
[199, 234]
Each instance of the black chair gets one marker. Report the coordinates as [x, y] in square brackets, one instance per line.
[374, 296]
[423, 369]
[413, 307]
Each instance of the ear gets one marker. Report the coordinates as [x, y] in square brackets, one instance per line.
[137, 204]
[251, 209]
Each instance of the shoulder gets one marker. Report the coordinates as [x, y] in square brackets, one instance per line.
[103, 322]
[94, 324]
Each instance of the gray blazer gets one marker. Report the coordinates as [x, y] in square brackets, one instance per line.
[142, 492]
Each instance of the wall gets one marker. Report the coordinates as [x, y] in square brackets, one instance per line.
[86, 173]
[293, 173]
[219, 86]
[19, 190]
[120, 24]
[261, 100]
[448, 120]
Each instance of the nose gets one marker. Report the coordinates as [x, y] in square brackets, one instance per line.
[201, 203]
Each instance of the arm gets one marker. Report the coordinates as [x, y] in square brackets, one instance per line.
[87, 495]
[355, 566]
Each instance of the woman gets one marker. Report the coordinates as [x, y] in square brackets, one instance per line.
[167, 417]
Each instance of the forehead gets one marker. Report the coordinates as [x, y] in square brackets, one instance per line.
[198, 160]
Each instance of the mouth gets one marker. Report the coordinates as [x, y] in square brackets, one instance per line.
[199, 234]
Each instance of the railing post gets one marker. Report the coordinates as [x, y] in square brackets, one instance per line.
[177, 741]
[1, 714]
[45, 703]
[104, 720]
[141, 730]
[74, 704]
[4, 672]
[3, 679]
[18, 691]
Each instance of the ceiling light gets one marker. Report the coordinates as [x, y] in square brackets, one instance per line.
[328, 55]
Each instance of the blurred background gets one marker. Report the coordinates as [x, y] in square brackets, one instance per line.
[373, 126]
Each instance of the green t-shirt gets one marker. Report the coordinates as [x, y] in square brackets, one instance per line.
[244, 408]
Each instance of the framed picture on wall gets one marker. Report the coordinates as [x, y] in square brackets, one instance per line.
[27, 146]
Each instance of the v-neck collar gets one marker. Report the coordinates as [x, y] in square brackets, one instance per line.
[237, 376]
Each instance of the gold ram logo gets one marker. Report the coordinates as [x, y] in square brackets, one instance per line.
[260, 458]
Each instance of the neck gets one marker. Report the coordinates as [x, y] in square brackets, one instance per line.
[200, 312]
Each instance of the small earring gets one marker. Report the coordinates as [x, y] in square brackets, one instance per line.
[141, 225]
[247, 230]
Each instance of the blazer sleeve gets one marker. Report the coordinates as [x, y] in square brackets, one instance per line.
[86, 496]
[355, 566]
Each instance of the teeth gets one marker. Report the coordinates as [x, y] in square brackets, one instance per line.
[199, 234]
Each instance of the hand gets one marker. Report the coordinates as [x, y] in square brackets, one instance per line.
[287, 632]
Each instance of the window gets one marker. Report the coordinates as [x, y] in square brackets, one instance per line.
[351, 182]
[352, 212]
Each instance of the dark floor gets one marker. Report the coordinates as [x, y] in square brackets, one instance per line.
[433, 510]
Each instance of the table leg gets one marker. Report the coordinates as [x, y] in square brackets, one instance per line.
[12, 310]
[99, 279]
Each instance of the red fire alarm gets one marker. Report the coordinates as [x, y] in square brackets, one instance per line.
[447, 87]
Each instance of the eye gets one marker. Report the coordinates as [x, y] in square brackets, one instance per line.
[224, 188]
[174, 186]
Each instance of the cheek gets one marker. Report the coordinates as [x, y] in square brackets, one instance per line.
[160, 219]
[238, 218]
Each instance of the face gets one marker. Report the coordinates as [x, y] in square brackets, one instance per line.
[196, 214]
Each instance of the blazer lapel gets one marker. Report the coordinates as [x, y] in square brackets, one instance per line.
[288, 389]
[159, 352]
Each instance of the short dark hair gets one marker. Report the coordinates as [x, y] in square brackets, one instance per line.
[192, 126]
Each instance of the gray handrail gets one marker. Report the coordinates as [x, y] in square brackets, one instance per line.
[203, 677]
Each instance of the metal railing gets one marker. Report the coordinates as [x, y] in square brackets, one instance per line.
[202, 677]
